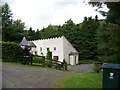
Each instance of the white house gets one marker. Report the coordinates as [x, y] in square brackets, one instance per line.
[61, 49]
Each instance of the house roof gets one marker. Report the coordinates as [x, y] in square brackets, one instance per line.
[73, 53]
[31, 44]
[24, 42]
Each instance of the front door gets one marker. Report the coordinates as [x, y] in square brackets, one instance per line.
[72, 60]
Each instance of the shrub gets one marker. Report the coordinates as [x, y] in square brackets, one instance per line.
[11, 51]
[86, 62]
[97, 67]
[49, 58]
[36, 59]
[39, 60]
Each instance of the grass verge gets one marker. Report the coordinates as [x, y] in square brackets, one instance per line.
[35, 67]
[81, 80]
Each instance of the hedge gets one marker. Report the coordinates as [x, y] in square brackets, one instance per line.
[11, 52]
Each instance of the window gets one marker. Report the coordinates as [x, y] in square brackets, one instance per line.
[55, 57]
[54, 48]
[48, 49]
[40, 49]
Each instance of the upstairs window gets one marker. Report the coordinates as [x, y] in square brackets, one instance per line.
[40, 49]
[54, 48]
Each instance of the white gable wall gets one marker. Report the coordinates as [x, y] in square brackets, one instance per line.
[68, 48]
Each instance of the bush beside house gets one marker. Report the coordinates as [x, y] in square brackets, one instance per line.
[11, 52]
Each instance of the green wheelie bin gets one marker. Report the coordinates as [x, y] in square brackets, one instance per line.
[111, 76]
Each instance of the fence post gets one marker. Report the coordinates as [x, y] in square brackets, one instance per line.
[65, 63]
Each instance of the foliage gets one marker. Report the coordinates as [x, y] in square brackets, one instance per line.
[36, 59]
[108, 47]
[26, 56]
[39, 60]
[32, 35]
[97, 66]
[114, 12]
[11, 30]
[109, 34]
[86, 61]
[88, 40]
[10, 51]
[6, 21]
[49, 58]
[113, 15]
[50, 32]
[65, 63]
[14, 30]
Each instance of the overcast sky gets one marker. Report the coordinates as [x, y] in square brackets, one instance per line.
[40, 13]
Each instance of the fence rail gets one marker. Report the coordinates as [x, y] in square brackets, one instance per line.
[55, 63]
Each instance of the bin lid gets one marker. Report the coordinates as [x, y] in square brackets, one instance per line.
[112, 66]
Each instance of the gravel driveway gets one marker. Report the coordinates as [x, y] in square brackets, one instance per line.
[20, 77]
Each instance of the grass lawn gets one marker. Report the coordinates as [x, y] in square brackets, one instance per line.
[81, 80]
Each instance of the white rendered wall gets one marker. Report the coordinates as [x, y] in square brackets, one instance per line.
[50, 43]
[68, 48]
[33, 49]
[63, 48]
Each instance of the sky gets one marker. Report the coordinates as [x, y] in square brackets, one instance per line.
[41, 13]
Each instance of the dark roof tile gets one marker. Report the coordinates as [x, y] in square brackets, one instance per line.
[24, 42]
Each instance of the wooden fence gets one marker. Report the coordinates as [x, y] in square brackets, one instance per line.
[54, 63]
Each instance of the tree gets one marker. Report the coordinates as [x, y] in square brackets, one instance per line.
[108, 46]
[31, 34]
[15, 31]
[50, 32]
[114, 12]
[12, 30]
[19, 25]
[88, 39]
[109, 34]
[18, 30]
[6, 21]
[113, 15]
[37, 35]
[68, 29]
